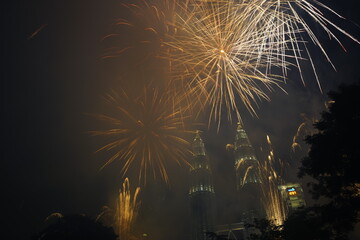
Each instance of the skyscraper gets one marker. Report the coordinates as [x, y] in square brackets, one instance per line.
[248, 178]
[202, 194]
[293, 197]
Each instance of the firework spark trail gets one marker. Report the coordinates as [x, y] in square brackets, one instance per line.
[304, 129]
[248, 169]
[36, 32]
[295, 143]
[273, 203]
[220, 52]
[151, 20]
[147, 132]
[123, 216]
[229, 50]
[220, 47]
[290, 19]
[127, 209]
[54, 215]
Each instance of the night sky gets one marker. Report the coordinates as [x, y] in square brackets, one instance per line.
[53, 80]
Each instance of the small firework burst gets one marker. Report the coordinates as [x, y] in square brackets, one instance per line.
[146, 131]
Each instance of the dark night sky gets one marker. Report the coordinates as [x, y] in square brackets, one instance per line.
[51, 81]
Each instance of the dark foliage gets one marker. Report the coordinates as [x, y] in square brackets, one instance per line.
[214, 236]
[266, 230]
[332, 160]
[306, 224]
[334, 151]
[76, 227]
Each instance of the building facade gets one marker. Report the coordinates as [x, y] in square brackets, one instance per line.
[248, 178]
[201, 192]
[293, 197]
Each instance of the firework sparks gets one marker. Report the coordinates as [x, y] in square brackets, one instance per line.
[218, 49]
[150, 21]
[295, 143]
[229, 50]
[221, 53]
[289, 19]
[54, 215]
[303, 130]
[127, 209]
[122, 219]
[273, 203]
[36, 32]
[147, 130]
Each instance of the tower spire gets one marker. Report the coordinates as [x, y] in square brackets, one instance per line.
[198, 145]
[246, 163]
[201, 192]
[239, 125]
[248, 177]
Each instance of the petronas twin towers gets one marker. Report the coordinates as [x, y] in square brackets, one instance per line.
[202, 194]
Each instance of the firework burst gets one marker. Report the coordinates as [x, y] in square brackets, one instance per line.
[226, 51]
[147, 131]
[218, 49]
[219, 54]
[289, 23]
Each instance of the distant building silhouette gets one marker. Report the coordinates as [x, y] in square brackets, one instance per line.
[201, 193]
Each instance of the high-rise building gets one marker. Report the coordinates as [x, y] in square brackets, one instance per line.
[248, 178]
[202, 194]
[293, 196]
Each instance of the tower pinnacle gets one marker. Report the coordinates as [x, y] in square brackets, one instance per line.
[246, 163]
[198, 145]
[248, 180]
[201, 192]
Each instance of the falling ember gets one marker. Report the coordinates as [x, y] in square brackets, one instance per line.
[31, 36]
[295, 143]
[146, 132]
[273, 203]
[304, 129]
[54, 215]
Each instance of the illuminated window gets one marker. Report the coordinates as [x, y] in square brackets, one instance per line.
[291, 191]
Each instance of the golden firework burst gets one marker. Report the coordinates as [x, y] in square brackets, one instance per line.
[219, 49]
[147, 131]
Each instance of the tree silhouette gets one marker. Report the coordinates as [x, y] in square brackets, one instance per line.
[332, 160]
[76, 227]
[266, 230]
